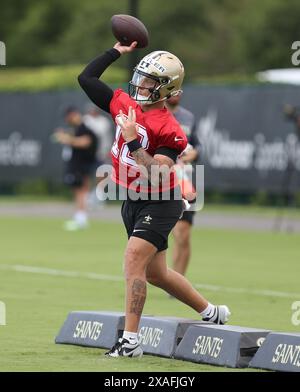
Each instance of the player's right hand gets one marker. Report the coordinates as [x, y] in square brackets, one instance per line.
[62, 137]
[125, 49]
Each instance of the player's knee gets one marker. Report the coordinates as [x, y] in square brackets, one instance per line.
[155, 279]
[133, 262]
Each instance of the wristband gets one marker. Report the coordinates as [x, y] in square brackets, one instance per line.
[134, 145]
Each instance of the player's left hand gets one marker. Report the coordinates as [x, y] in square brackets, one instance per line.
[128, 125]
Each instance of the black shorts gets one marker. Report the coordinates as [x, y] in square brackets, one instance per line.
[188, 216]
[151, 220]
[74, 175]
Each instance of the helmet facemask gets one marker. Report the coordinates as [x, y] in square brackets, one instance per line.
[144, 88]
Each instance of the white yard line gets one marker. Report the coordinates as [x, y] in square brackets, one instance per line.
[56, 272]
[115, 278]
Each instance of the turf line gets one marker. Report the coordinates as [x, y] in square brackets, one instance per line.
[115, 278]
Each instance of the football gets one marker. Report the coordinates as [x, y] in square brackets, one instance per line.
[127, 29]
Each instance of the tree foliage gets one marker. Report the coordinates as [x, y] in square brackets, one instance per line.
[210, 36]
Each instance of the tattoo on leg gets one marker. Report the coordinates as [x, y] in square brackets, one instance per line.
[138, 292]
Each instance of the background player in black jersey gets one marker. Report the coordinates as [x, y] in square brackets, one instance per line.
[80, 158]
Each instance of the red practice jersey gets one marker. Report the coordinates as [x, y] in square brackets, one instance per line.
[156, 128]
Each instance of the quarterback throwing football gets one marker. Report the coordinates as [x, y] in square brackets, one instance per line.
[147, 137]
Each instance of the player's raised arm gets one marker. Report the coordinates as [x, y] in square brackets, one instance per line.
[98, 91]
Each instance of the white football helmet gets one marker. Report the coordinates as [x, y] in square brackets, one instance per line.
[157, 77]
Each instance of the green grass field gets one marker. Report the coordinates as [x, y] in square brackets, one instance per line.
[37, 303]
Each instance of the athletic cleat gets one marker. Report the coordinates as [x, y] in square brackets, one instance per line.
[220, 316]
[72, 225]
[125, 349]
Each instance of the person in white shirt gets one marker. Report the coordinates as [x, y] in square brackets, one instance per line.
[102, 127]
[95, 120]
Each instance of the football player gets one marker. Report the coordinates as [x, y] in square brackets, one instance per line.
[147, 137]
[182, 229]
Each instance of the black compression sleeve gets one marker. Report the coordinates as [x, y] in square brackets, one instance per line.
[96, 90]
[168, 152]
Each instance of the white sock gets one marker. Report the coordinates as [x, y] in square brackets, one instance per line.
[209, 311]
[130, 336]
[81, 217]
